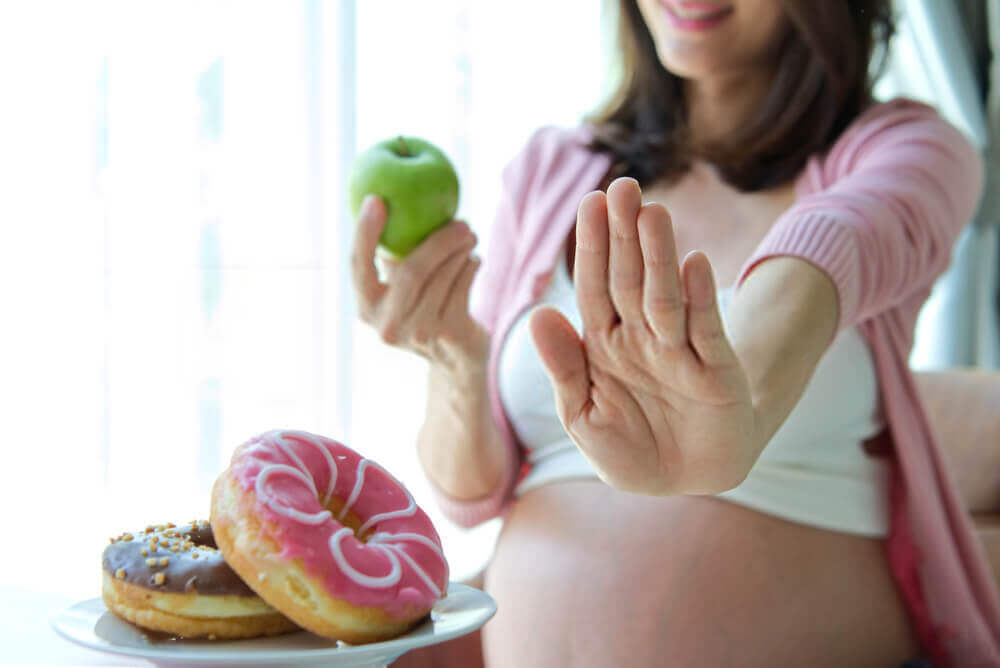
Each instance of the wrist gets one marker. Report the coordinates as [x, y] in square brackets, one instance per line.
[464, 362]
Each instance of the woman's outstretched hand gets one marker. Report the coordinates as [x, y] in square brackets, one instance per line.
[653, 395]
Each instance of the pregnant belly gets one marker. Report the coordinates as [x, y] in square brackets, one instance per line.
[588, 576]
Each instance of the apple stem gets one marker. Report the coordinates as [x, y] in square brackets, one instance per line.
[403, 151]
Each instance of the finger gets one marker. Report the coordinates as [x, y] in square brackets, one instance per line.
[562, 354]
[426, 315]
[371, 220]
[704, 322]
[662, 296]
[625, 263]
[457, 304]
[591, 264]
[409, 277]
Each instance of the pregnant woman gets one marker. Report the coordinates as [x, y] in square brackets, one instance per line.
[683, 378]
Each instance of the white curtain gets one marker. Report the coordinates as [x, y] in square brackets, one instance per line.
[174, 237]
[933, 60]
[168, 262]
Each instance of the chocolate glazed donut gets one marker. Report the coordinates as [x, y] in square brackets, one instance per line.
[174, 580]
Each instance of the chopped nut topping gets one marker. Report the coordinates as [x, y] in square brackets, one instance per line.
[159, 578]
[120, 574]
[194, 555]
[151, 562]
[144, 552]
[163, 561]
[171, 525]
[127, 537]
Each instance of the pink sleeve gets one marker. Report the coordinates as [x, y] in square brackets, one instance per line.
[901, 183]
[485, 299]
[486, 305]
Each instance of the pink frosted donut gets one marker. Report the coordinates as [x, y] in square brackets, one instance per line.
[328, 538]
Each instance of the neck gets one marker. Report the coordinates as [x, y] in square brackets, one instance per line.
[718, 105]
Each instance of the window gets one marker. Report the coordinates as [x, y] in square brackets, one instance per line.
[175, 236]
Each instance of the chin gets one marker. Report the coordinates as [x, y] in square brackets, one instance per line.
[730, 44]
[690, 63]
[693, 57]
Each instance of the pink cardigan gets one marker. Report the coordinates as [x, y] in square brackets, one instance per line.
[879, 214]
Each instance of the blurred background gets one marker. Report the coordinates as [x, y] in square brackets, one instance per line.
[174, 233]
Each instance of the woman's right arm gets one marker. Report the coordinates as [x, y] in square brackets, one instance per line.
[424, 307]
[459, 445]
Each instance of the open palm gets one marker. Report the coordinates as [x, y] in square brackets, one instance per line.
[653, 394]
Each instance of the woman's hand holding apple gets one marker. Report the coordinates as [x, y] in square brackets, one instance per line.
[424, 304]
[423, 307]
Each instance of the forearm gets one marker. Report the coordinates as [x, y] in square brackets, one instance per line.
[780, 322]
[460, 446]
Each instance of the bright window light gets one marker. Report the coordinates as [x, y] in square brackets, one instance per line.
[174, 236]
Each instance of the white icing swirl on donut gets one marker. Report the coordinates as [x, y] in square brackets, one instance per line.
[308, 438]
[392, 551]
[359, 482]
[380, 538]
[271, 502]
[395, 573]
[410, 509]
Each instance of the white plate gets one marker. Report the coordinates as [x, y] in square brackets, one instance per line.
[89, 623]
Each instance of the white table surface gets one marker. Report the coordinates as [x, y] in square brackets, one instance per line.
[27, 638]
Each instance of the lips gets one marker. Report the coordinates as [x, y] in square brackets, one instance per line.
[694, 14]
[693, 10]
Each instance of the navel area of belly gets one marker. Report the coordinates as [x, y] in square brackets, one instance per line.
[600, 572]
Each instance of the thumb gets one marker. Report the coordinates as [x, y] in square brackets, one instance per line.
[372, 212]
[563, 355]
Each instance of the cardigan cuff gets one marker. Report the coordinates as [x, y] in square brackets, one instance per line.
[825, 242]
[472, 512]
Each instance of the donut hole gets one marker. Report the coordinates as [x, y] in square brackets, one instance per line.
[350, 519]
[201, 535]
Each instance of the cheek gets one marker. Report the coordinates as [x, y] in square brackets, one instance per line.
[649, 13]
[762, 23]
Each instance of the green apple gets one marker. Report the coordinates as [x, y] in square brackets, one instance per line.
[416, 181]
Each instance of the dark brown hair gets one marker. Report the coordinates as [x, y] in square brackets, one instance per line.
[821, 82]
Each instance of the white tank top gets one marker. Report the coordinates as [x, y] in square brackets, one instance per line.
[813, 471]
